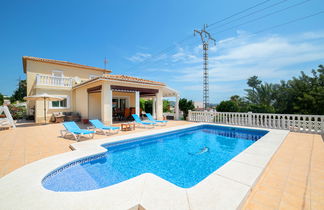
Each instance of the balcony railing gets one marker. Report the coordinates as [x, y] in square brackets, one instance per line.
[292, 122]
[53, 81]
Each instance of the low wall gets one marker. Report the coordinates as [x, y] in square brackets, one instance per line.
[292, 122]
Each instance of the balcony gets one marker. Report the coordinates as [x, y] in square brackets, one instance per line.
[52, 81]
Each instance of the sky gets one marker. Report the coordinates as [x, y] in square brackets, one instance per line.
[274, 40]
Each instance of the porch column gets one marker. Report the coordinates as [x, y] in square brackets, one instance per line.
[154, 107]
[176, 108]
[137, 103]
[159, 105]
[106, 104]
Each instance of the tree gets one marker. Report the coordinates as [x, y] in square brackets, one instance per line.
[307, 92]
[185, 106]
[227, 106]
[263, 94]
[300, 95]
[142, 103]
[20, 92]
[253, 82]
[166, 106]
[148, 106]
[242, 104]
[1, 99]
[261, 108]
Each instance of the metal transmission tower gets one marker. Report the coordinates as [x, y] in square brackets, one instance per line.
[205, 37]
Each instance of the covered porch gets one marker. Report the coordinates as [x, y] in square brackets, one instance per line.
[112, 102]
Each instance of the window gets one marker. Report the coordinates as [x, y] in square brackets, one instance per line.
[57, 73]
[64, 104]
[120, 103]
[92, 76]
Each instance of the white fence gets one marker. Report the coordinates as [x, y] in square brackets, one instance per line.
[298, 123]
[53, 81]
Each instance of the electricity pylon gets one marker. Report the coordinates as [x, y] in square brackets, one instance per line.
[205, 37]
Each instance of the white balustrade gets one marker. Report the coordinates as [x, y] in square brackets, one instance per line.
[53, 81]
[293, 122]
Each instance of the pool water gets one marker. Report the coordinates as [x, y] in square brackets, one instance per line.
[184, 158]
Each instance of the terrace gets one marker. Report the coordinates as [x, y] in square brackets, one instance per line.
[53, 81]
[292, 179]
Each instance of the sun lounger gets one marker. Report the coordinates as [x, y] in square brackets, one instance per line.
[98, 125]
[73, 129]
[138, 121]
[150, 117]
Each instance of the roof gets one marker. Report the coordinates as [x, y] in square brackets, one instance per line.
[63, 63]
[131, 79]
[122, 78]
[169, 92]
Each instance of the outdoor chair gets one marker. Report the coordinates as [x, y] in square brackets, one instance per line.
[159, 122]
[138, 121]
[98, 125]
[73, 129]
[58, 117]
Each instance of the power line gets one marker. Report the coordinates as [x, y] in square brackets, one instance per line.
[282, 24]
[252, 13]
[264, 16]
[171, 47]
[240, 12]
[289, 22]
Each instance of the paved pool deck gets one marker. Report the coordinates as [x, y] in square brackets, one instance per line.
[294, 178]
[30, 142]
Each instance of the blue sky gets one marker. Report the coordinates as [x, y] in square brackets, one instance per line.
[131, 33]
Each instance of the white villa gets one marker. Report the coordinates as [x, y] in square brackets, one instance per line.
[92, 92]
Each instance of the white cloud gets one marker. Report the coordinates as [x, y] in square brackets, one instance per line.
[234, 59]
[184, 56]
[268, 57]
[139, 57]
[312, 35]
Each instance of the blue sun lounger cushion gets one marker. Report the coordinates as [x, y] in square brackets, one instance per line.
[139, 121]
[73, 128]
[99, 125]
[150, 117]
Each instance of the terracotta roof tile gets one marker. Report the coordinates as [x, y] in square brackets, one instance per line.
[122, 78]
[131, 79]
[65, 63]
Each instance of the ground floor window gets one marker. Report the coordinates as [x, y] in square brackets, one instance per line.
[120, 103]
[64, 104]
[121, 110]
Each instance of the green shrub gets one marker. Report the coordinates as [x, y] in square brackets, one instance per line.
[1, 99]
[227, 106]
[17, 112]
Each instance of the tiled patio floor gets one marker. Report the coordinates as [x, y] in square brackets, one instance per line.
[30, 142]
[294, 179]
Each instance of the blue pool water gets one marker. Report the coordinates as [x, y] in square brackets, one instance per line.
[184, 158]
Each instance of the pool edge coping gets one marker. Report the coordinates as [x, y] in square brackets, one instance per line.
[190, 198]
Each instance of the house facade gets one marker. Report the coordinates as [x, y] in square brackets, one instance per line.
[94, 93]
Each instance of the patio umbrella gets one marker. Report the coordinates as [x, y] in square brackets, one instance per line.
[43, 97]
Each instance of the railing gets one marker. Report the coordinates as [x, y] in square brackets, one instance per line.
[53, 81]
[292, 122]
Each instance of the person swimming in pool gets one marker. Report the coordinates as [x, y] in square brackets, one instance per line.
[203, 150]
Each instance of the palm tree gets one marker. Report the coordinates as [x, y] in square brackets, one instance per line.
[253, 82]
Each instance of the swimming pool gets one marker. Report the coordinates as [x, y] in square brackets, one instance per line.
[183, 157]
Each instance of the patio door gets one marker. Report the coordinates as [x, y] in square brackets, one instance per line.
[94, 106]
[120, 104]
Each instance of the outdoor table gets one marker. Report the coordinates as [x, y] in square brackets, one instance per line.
[127, 126]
